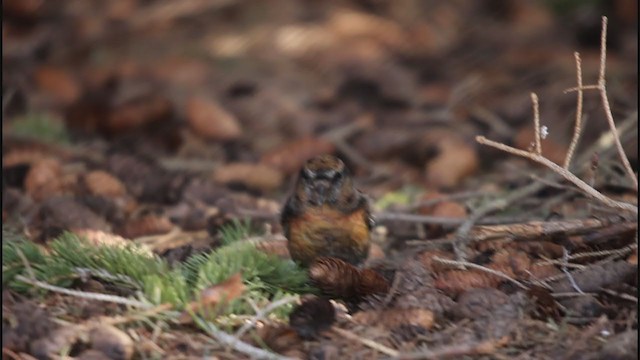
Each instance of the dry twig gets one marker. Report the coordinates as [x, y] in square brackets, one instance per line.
[458, 350]
[368, 342]
[565, 261]
[577, 129]
[536, 155]
[588, 190]
[602, 89]
[497, 273]
[536, 123]
[85, 294]
[234, 343]
[537, 229]
[262, 313]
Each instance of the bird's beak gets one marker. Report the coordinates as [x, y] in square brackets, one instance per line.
[321, 189]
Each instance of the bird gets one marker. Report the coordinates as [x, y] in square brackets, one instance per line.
[326, 216]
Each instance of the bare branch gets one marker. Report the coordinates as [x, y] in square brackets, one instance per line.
[603, 51]
[536, 122]
[368, 342]
[562, 172]
[85, 294]
[607, 106]
[577, 129]
[458, 350]
[262, 313]
[497, 273]
[234, 343]
[581, 88]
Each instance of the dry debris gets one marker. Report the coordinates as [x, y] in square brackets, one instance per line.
[161, 124]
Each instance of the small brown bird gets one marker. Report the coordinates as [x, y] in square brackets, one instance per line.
[326, 215]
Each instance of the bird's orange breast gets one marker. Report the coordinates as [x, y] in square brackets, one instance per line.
[325, 231]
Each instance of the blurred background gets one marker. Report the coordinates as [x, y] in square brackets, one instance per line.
[183, 102]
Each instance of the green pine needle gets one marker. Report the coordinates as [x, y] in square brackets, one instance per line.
[267, 277]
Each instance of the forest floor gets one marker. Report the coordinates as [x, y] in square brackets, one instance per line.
[146, 142]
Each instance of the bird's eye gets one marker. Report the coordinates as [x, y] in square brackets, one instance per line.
[308, 174]
[338, 175]
[329, 174]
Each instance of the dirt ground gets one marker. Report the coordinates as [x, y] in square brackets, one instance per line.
[165, 124]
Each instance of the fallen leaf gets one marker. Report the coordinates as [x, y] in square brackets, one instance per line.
[137, 113]
[101, 183]
[24, 156]
[57, 83]
[216, 296]
[44, 179]
[392, 318]
[254, 176]
[290, 157]
[456, 160]
[209, 120]
[111, 341]
[145, 226]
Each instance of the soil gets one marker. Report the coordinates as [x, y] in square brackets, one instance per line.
[158, 123]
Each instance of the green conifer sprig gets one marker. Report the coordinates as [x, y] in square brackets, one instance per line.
[267, 277]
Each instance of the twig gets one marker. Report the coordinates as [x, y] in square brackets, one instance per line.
[577, 129]
[85, 273]
[481, 268]
[536, 122]
[562, 172]
[398, 277]
[537, 229]
[11, 354]
[578, 88]
[572, 294]
[441, 220]
[498, 204]
[532, 188]
[84, 294]
[415, 218]
[552, 184]
[449, 197]
[560, 262]
[565, 260]
[234, 343]
[623, 251]
[118, 320]
[607, 107]
[368, 342]
[621, 295]
[458, 350]
[262, 313]
[602, 89]
[496, 123]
